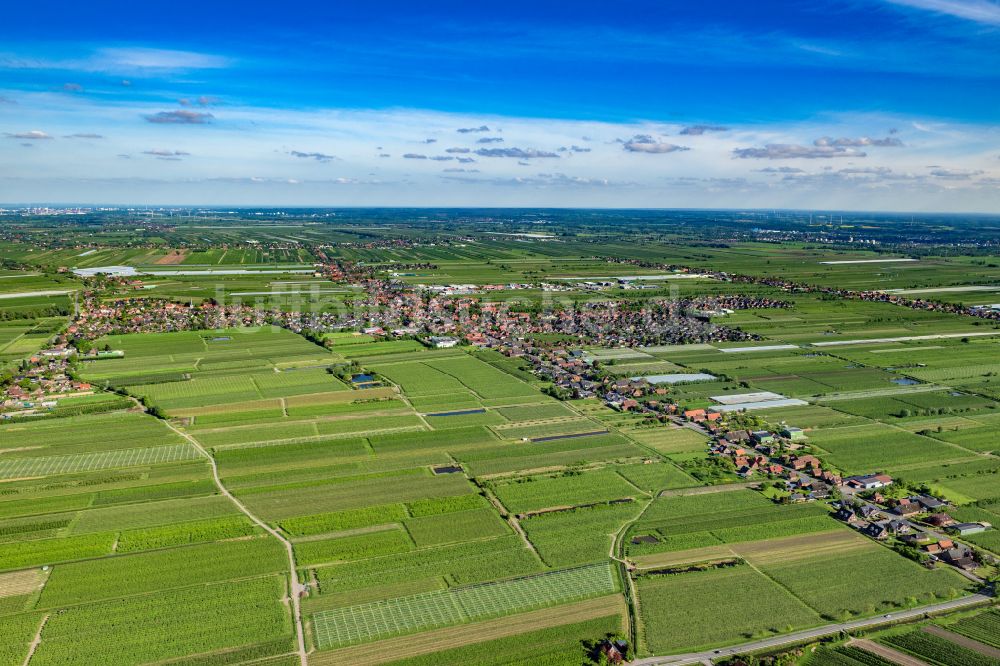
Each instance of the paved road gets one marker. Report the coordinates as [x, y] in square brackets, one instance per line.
[810, 634]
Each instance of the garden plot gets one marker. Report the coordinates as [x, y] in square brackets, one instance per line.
[764, 404]
[454, 527]
[149, 514]
[640, 367]
[760, 348]
[464, 418]
[656, 476]
[932, 648]
[978, 437]
[354, 547]
[619, 354]
[984, 627]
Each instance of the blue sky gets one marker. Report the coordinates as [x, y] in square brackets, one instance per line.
[861, 104]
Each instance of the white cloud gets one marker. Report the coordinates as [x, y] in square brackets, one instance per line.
[956, 174]
[31, 135]
[258, 142]
[981, 11]
[132, 59]
[790, 151]
[644, 143]
[179, 118]
[120, 60]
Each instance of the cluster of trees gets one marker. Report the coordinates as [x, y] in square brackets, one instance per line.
[35, 312]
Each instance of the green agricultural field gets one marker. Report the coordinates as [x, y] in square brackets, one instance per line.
[335, 494]
[434, 530]
[561, 452]
[561, 645]
[348, 548]
[578, 536]
[464, 563]
[697, 521]
[534, 493]
[534, 431]
[171, 624]
[158, 570]
[88, 433]
[15, 467]
[479, 504]
[535, 412]
[984, 627]
[868, 448]
[937, 650]
[692, 611]
[655, 477]
[670, 440]
[368, 622]
[884, 582]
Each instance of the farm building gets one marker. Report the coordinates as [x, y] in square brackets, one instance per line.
[940, 520]
[736, 436]
[793, 433]
[907, 507]
[929, 503]
[959, 557]
[442, 341]
[869, 481]
[965, 529]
